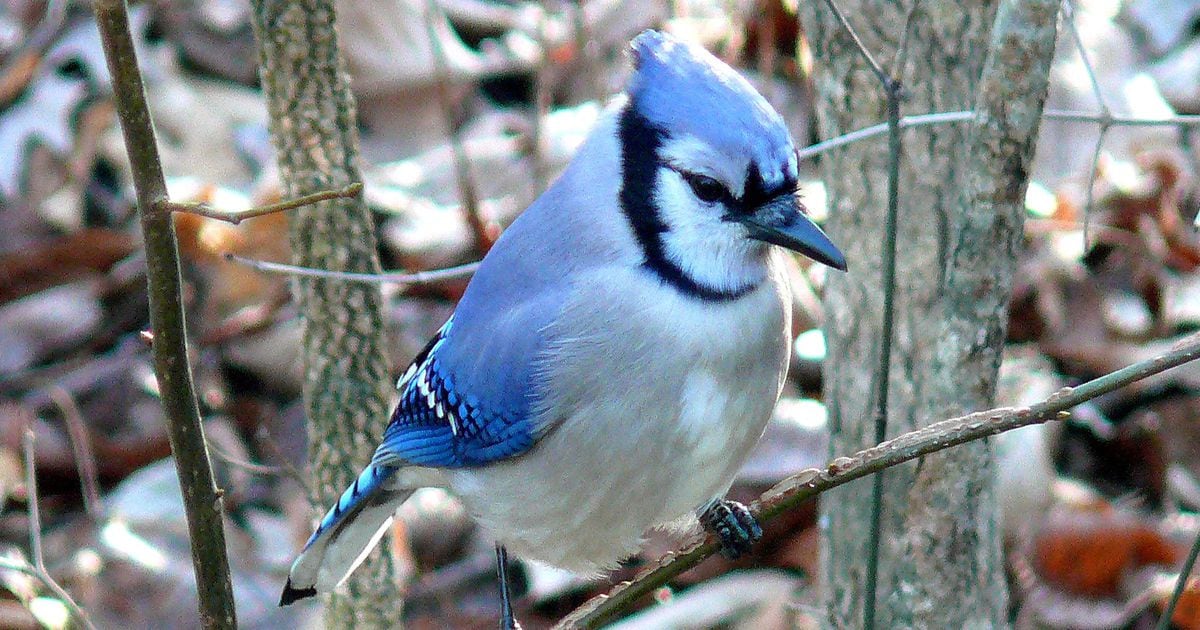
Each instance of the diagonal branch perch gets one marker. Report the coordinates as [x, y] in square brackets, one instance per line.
[791, 492]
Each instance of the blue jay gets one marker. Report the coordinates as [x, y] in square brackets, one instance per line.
[621, 347]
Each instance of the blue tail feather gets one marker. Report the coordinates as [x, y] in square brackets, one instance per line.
[347, 532]
[367, 482]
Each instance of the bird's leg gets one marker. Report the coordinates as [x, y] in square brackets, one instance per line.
[507, 622]
[732, 524]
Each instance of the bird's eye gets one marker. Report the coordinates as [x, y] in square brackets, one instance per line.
[706, 188]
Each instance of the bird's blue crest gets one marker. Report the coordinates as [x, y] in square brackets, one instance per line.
[683, 88]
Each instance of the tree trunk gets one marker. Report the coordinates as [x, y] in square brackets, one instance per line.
[960, 221]
[346, 376]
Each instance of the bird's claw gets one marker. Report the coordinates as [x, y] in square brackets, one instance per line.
[733, 524]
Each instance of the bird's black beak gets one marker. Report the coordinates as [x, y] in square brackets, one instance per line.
[781, 221]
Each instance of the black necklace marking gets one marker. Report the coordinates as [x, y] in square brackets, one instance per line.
[640, 142]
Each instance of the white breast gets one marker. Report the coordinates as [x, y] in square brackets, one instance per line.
[657, 401]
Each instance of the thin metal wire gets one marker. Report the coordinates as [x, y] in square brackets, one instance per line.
[919, 120]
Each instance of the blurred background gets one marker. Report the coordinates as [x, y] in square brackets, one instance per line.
[1098, 510]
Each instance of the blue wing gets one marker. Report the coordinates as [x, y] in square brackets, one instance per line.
[437, 424]
[474, 395]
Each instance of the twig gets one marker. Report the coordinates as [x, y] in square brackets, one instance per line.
[201, 502]
[866, 54]
[8, 564]
[1105, 112]
[237, 216]
[795, 490]
[1073, 29]
[467, 187]
[1093, 170]
[893, 90]
[1185, 576]
[938, 118]
[21, 64]
[250, 467]
[266, 439]
[582, 41]
[541, 108]
[35, 534]
[81, 445]
[419, 278]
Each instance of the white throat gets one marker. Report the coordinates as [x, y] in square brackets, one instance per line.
[711, 251]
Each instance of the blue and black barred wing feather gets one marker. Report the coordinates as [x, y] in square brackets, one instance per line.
[352, 527]
[434, 425]
[437, 425]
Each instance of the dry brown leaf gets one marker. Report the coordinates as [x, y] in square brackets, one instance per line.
[60, 260]
[1089, 553]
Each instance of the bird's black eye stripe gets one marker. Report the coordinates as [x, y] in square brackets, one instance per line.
[706, 188]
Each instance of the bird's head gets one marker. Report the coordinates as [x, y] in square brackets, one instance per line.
[708, 172]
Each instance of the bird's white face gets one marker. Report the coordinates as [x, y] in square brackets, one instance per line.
[696, 186]
[708, 174]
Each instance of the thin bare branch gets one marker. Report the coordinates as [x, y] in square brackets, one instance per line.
[266, 439]
[938, 118]
[81, 446]
[1185, 576]
[237, 216]
[8, 564]
[248, 466]
[419, 278]
[892, 89]
[866, 54]
[468, 189]
[1069, 17]
[1105, 113]
[202, 503]
[1090, 194]
[35, 534]
[807, 484]
[541, 108]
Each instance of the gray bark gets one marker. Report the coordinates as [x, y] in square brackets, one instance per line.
[346, 376]
[960, 222]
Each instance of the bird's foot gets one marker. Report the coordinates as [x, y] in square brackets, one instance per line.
[733, 524]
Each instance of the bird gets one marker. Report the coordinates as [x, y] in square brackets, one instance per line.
[620, 348]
